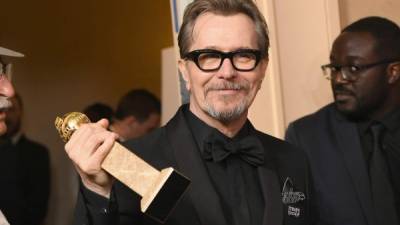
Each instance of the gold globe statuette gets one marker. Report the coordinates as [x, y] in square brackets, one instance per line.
[155, 187]
[67, 124]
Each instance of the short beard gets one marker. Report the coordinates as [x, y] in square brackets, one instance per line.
[231, 114]
[226, 116]
[362, 110]
[355, 116]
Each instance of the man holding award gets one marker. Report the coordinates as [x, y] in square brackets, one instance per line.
[237, 174]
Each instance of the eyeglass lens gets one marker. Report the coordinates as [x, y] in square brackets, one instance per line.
[240, 60]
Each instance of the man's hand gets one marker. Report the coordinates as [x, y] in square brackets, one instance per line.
[87, 148]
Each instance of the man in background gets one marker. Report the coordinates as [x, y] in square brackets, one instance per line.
[24, 173]
[138, 112]
[98, 111]
[354, 143]
[6, 91]
[6, 88]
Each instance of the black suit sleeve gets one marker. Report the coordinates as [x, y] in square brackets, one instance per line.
[93, 209]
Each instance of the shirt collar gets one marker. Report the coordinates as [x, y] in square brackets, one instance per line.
[16, 137]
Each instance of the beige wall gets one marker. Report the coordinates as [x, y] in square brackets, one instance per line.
[78, 52]
[301, 34]
[351, 10]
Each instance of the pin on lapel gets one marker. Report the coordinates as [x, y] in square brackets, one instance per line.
[289, 196]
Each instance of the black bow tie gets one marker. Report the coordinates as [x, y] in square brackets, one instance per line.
[249, 148]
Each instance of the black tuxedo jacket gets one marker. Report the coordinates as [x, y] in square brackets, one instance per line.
[338, 166]
[174, 145]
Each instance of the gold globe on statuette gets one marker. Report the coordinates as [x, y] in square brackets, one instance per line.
[70, 122]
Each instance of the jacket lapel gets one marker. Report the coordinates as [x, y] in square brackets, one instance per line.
[273, 209]
[189, 161]
[348, 141]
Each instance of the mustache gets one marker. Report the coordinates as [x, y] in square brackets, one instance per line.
[227, 85]
[340, 89]
[4, 103]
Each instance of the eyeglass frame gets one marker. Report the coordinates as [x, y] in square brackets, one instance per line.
[195, 54]
[353, 73]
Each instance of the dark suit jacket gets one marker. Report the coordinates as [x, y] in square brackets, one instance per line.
[338, 166]
[174, 145]
[25, 182]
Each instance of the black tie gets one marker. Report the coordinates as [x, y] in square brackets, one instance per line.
[249, 149]
[381, 188]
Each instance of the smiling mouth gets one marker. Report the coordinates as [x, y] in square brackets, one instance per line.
[225, 91]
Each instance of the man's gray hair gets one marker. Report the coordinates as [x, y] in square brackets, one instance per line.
[226, 8]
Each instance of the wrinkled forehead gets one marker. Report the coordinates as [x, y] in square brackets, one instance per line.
[223, 32]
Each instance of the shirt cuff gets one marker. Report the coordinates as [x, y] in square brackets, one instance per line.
[101, 209]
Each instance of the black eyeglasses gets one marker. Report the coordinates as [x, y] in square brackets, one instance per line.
[349, 72]
[5, 70]
[209, 60]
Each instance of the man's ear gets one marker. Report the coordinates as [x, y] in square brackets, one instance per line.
[263, 67]
[184, 71]
[394, 72]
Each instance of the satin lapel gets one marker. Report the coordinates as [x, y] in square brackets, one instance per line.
[201, 190]
[349, 144]
[273, 211]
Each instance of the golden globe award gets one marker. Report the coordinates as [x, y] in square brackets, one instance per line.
[160, 190]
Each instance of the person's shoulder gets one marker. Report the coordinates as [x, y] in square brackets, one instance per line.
[33, 145]
[278, 147]
[32, 152]
[267, 139]
[288, 159]
[315, 118]
[147, 140]
[150, 147]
